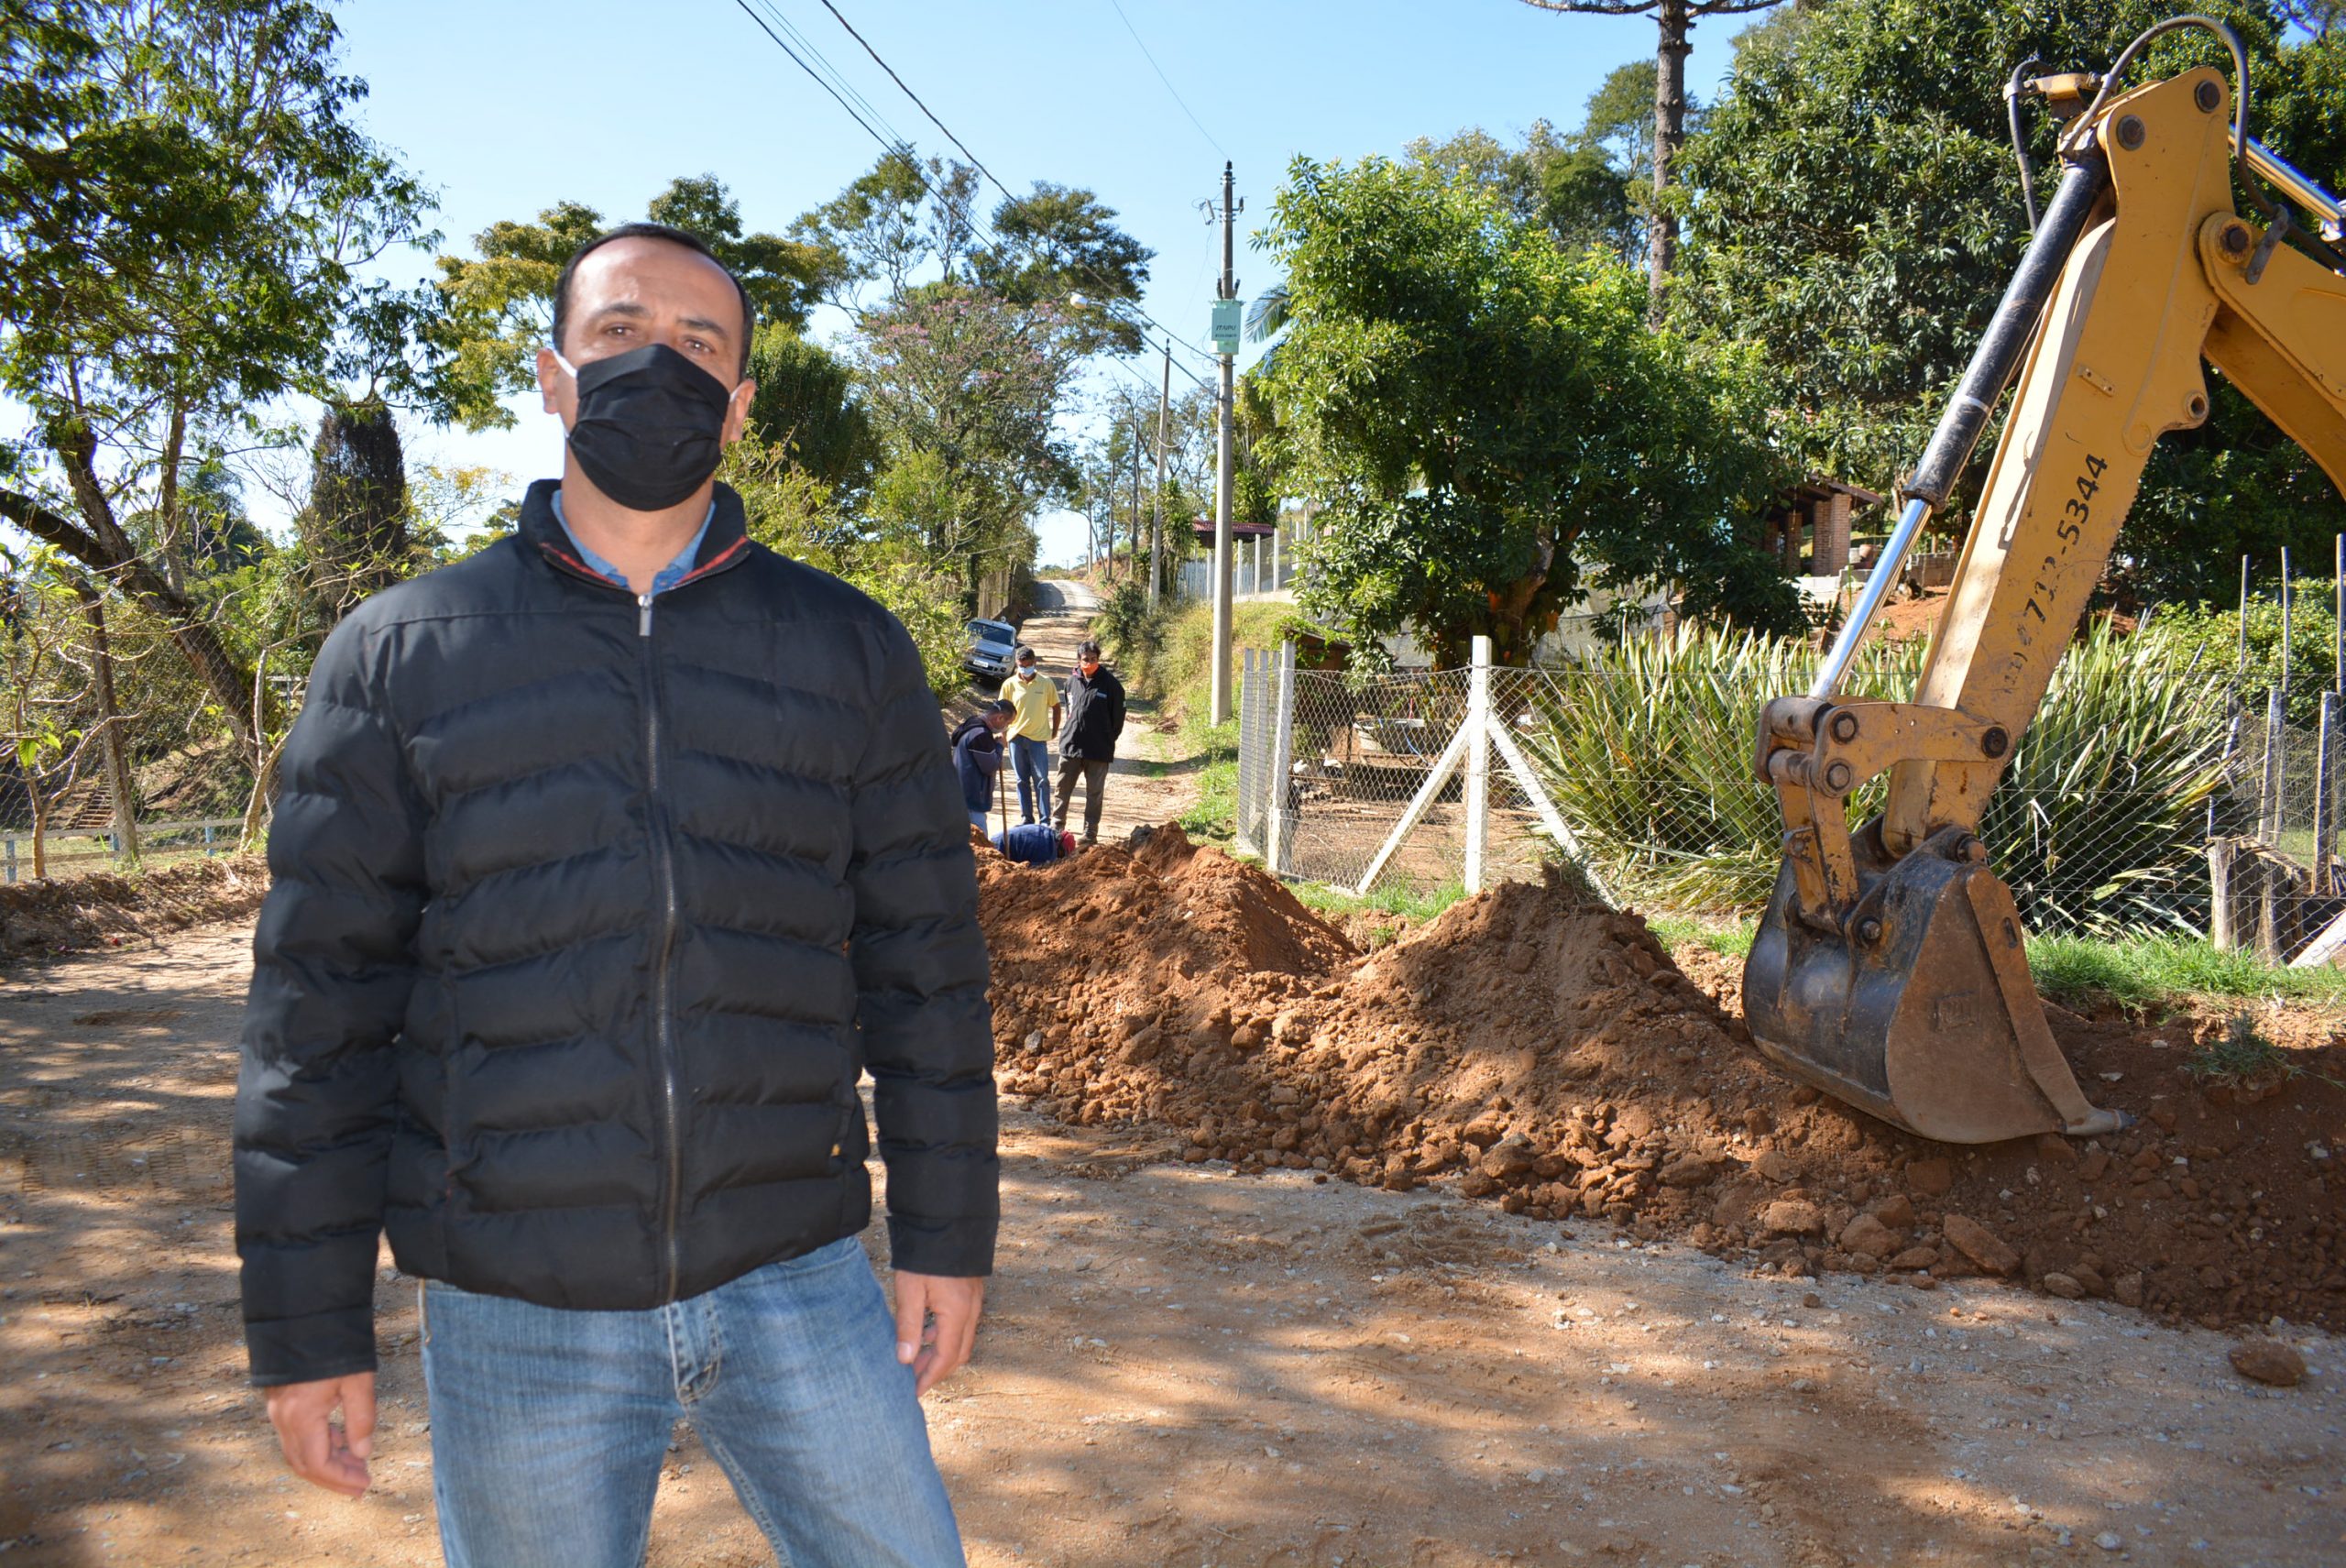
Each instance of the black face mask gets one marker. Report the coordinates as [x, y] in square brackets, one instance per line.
[651, 425]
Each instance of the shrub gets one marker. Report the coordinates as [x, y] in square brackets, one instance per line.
[2097, 824]
[2212, 636]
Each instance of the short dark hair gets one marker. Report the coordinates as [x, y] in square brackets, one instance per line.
[1088, 651]
[674, 235]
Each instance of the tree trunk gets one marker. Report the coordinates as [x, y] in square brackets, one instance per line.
[116, 752]
[1669, 135]
[171, 541]
[261, 804]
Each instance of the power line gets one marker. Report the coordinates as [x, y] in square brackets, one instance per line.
[976, 161]
[1095, 275]
[892, 142]
[1118, 9]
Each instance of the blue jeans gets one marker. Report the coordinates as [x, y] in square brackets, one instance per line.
[549, 1426]
[978, 820]
[1032, 758]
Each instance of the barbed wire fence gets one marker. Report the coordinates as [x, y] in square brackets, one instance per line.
[2228, 828]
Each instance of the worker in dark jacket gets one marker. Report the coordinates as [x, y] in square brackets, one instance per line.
[978, 756]
[1095, 716]
[607, 860]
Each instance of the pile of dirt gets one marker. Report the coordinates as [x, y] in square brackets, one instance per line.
[1547, 1053]
[62, 915]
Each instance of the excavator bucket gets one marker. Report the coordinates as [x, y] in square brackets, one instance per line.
[1920, 1009]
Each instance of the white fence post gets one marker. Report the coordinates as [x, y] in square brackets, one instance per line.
[2269, 814]
[1282, 770]
[1419, 804]
[1478, 762]
[1249, 733]
[2325, 795]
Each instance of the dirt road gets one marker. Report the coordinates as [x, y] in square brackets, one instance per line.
[1153, 779]
[1180, 1367]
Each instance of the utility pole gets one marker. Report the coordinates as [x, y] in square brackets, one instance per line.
[1219, 709]
[1157, 520]
[1132, 560]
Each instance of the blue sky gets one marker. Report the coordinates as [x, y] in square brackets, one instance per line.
[506, 106]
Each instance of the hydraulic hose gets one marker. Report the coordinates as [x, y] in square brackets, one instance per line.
[1967, 412]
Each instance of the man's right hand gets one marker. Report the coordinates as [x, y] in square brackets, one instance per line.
[320, 1452]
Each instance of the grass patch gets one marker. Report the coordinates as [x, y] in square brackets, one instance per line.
[2242, 1054]
[1179, 664]
[2159, 970]
[1337, 902]
[1675, 930]
[1214, 813]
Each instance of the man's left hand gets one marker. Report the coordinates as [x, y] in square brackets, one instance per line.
[936, 1324]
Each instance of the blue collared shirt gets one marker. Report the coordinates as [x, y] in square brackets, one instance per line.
[674, 572]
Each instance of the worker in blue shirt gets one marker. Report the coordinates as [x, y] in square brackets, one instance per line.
[1034, 843]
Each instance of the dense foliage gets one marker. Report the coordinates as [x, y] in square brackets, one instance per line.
[1854, 205]
[1488, 428]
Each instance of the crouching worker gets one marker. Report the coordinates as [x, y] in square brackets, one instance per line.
[1034, 843]
[977, 757]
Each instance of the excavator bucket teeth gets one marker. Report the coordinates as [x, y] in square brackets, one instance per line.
[1908, 1013]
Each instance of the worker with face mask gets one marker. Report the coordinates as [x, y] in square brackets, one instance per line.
[606, 861]
[1034, 699]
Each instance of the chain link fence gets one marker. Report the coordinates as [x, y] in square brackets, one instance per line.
[2276, 881]
[2103, 824]
[1358, 753]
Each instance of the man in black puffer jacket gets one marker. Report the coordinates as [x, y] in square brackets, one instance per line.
[607, 862]
[1095, 716]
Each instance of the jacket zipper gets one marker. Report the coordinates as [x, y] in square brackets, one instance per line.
[663, 858]
[665, 1023]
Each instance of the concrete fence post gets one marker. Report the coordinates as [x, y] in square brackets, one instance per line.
[1249, 735]
[1282, 770]
[1478, 762]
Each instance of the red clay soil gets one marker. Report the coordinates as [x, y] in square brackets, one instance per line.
[107, 909]
[1546, 1053]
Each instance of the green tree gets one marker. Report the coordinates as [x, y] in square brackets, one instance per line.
[1057, 244]
[188, 206]
[1855, 210]
[2315, 17]
[906, 223]
[1572, 185]
[893, 224]
[972, 385]
[1673, 21]
[806, 402]
[355, 530]
[1487, 426]
[496, 306]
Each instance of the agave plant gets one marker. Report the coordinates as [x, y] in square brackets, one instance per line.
[2097, 824]
[2100, 823]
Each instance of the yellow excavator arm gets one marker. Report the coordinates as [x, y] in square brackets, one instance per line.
[1890, 967]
